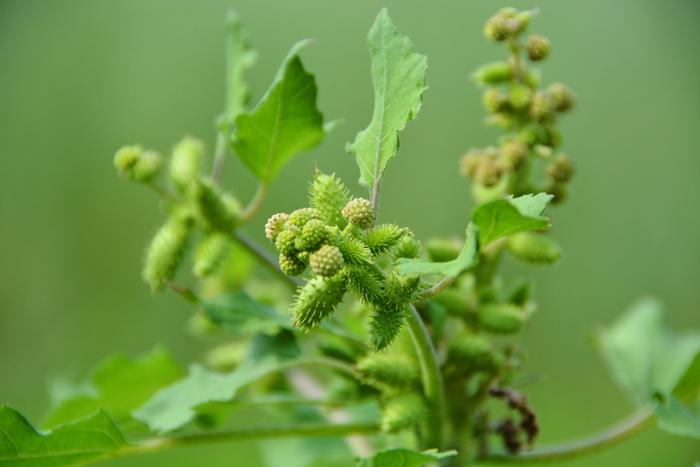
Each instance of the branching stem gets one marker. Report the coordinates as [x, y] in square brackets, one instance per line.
[255, 203]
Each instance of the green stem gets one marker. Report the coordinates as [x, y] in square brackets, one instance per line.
[255, 203]
[219, 158]
[432, 378]
[265, 258]
[594, 443]
[326, 430]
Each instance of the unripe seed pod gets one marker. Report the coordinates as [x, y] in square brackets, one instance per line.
[300, 217]
[534, 248]
[442, 249]
[403, 412]
[541, 108]
[328, 196]
[126, 158]
[185, 163]
[327, 261]
[316, 300]
[455, 302]
[561, 97]
[148, 167]
[359, 212]
[382, 237]
[514, 153]
[408, 247]
[354, 251]
[561, 169]
[367, 283]
[388, 371]
[502, 318]
[313, 235]
[274, 225]
[474, 352]
[166, 251]
[210, 254]
[494, 73]
[285, 242]
[469, 163]
[291, 265]
[494, 101]
[537, 47]
[519, 96]
[216, 211]
[385, 324]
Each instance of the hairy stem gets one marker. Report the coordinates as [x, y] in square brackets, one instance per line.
[596, 442]
[432, 379]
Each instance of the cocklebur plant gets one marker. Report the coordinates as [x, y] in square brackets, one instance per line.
[406, 351]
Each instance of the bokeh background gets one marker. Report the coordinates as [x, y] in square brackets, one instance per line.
[78, 79]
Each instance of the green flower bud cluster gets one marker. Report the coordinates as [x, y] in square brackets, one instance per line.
[197, 205]
[527, 113]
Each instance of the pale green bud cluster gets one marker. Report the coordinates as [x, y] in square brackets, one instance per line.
[137, 164]
[527, 113]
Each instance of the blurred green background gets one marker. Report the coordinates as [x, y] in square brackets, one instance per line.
[78, 79]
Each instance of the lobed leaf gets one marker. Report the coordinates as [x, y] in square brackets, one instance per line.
[86, 440]
[284, 123]
[404, 458]
[176, 405]
[505, 217]
[398, 78]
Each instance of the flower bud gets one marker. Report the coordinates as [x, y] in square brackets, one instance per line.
[403, 412]
[537, 47]
[274, 225]
[469, 163]
[388, 371]
[316, 300]
[313, 235]
[505, 24]
[285, 242]
[327, 261]
[300, 217]
[494, 101]
[494, 73]
[513, 153]
[148, 167]
[541, 107]
[561, 97]
[559, 191]
[328, 196]
[502, 318]
[519, 96]
[166, 251]
[126, 158]
[407, 247]
[291, 265]
[473, 352]
[184, 163]
[489, 172]
[210, 254]
[534, 248]
[561, 169]
[359, 212]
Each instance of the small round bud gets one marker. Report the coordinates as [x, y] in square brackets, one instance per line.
[469, 163]
[561, 169]
[285, 242]
[489, 172]
[541, 107]
[537, 47]
[185, 161]
[559, 191]
[301, 216]
[513, 153]
[312, 235]
[497, 28]
[274, 225]
[126, 158]
[494, 101]
[291, 265]
[147, 167]
[561, 97]
[519, 96]
[359, 212]
[327, 261]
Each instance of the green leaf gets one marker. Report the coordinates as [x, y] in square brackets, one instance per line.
[398, 77]
[239, 313]
[404, 458]
[176, 405]
[679, 419]
[119, 385]
[284, 123]
[466, 259]
[643, 356]
[80, 442]
[239, 58]
[505, 217]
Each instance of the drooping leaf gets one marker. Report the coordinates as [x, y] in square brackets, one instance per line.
[404, 458]
[239, 58]
[466, 259]
[398, 77]
[239, 313]
[505, 217]
[76, 443]
[176, 405]
[118, 385]
[284, 123]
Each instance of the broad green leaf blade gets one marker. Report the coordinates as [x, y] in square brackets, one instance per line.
[398, 78]
[239, 58]
[505, 217]
[643, 356]
[239, 313]
[77, 443]
[404, 458]
[467, 258]
[118, 385]
[284, 123]
[679, 419]
[176, 405]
